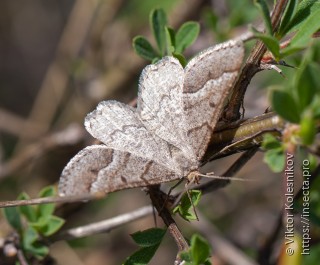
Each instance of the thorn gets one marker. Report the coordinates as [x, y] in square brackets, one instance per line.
[282, 62]
[277, 69]
[265, 66]
[268, 109]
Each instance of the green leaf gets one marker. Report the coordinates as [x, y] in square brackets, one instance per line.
[27, 210]
[46, 210]
[30, 243]
[287, 16]
[306, 83]
[275, 159]
[264, 10]
[200, 249]
[313, 162]
[186, 256]
[52, 226]
[271, 42]
[39, 250]
[186, 35]
[149, 240]
[143, 48]
[303, 37]
[284, 104]
[158, 21]
[304, 10]
[308, 128]
[30, 236]
[40, 222]
[314, 217]
[270, 142]
[181, 58]
[155, 60]
[171, 35]
[211, 19]
[185, 207]
[149, 237]
[170, 40]
[142, 256]
[12, 215]
[286, 52]
[48, 191]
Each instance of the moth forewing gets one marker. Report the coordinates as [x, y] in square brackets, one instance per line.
[166, 137]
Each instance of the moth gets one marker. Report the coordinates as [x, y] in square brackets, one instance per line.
[166, 136]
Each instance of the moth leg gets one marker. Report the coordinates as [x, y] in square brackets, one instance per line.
[167, 198]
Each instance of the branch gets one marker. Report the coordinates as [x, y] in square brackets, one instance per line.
[159, 202]
[18, 126]
[71, 135]
[56, 78]
[65, 199]
[242, 135]
[232, 134]
[251, 67]
[103, 226]
[215, 184]
[22, 259]
[223, 136]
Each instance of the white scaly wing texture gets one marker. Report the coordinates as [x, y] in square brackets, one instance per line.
[209, 78]
[98, 168]
[160, 104]
[166, 137]
[119, 127]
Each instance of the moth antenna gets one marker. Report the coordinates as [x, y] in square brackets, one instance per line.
[45, 200]
[210, 175]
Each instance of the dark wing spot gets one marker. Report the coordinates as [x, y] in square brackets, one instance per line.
[94, 171]
[123, 179]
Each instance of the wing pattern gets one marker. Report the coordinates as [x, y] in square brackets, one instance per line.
[163, 139]
[160, 104]
[208, 79]
[102, 169]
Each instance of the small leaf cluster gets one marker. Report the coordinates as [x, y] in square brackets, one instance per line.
[198, 253]
[148, 241]
[274, 156]
[185, 208]
[299, 17]
[33, 223]
[168, 41]
[299, 101]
